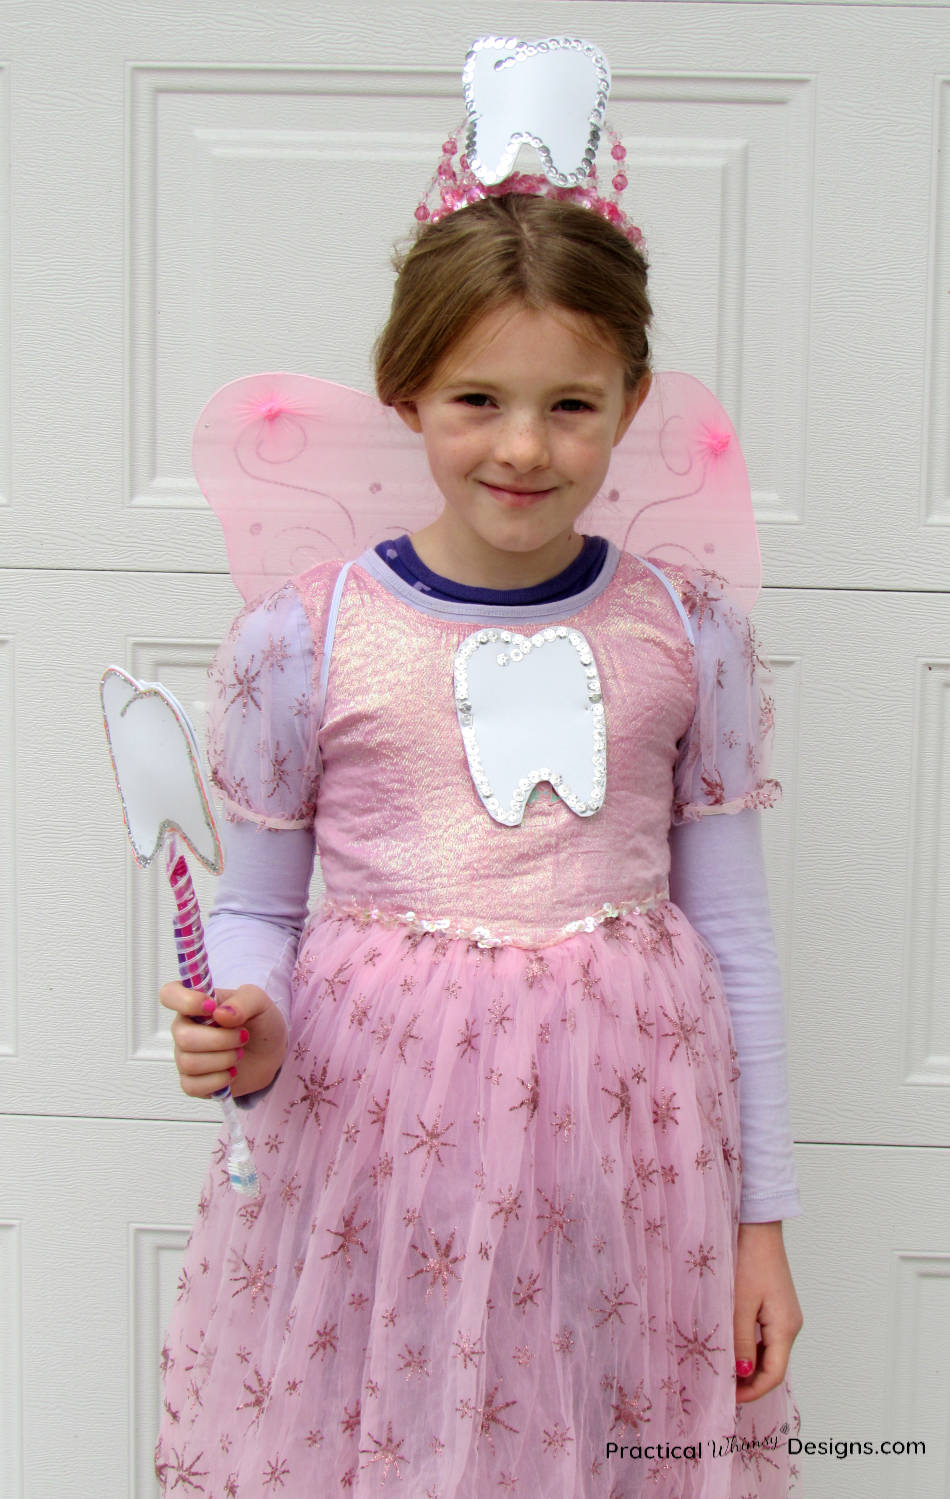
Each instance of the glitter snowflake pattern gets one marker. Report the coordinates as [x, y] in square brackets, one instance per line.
[631, 1410]
[338, 980]
[182, 1474]
[613, 1303]
[536, 970]
[532, 1094]
[414, 1363]
[275, 1473]
[376, 1113]
[563, 1342]
[251, 1280]
[430, 1138]
[665, 1109]
[556, 1439]
[621, 1096]
[491, 1415]
[408, 1034]
[290, 1189]
[701, 1259]
[683, 1032]
[351, 1419]
[646, 1170]
[278, 770]
[508, 1203]
[325, 1340]
[556, 1218]
[467, 1043]
[526, 1292]
[244, 688]
[438, 1263]
[499, 1017]
[696, 1347]
[258, 1395]
[468, 1349]
[384, 1450]
[317, 1092]
[349, 1236]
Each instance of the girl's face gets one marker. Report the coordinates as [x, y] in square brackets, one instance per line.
[519, 422]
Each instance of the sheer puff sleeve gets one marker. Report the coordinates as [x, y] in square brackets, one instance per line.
[263, 753]
[724, 756]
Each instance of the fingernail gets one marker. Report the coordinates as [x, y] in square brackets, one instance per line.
[744, 1367]
[245, 1037]
[230, 1009]
[209, 1006]
[232, 1072]
[240, 1052]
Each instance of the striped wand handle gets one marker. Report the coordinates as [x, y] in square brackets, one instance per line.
[196, 974]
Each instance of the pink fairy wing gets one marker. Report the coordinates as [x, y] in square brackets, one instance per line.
[677, 489]
[300, 470]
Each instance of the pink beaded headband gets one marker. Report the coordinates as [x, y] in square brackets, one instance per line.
[550, 95]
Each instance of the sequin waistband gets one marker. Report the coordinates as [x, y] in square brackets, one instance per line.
[483, 936]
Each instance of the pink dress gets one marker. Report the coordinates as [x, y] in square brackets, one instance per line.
[495, 1249]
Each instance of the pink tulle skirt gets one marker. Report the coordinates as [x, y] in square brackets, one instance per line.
[494, 1253]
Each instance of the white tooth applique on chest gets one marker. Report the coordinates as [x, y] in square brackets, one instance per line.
[530, 710]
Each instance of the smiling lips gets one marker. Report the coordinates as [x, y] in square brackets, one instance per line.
[516, 499]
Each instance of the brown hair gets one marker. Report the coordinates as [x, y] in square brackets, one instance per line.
[541, 252]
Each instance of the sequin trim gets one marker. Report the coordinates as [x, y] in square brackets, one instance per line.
[483, 936]
[518, 648]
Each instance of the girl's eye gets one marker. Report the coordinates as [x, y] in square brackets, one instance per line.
[572, 403]
[475, 398]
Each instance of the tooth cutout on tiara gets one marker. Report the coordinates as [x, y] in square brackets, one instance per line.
[550, 94]
[530, 709]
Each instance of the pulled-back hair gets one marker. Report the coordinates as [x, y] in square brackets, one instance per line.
[540, 252]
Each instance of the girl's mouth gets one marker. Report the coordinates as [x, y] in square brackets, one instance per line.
[517, 499]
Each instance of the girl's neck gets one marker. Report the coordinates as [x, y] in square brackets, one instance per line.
[495, 569]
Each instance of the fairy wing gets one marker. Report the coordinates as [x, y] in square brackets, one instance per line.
[300, 470]
[678, 490]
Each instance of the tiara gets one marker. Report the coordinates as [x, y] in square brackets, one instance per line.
[550, 95]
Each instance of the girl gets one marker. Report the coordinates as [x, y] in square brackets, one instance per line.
[501, 1247]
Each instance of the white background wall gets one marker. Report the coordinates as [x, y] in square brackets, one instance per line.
[190, 193]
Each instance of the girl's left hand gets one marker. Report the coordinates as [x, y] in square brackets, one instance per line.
[764, 1294]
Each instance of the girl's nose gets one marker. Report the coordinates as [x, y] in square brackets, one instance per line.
[522, 443]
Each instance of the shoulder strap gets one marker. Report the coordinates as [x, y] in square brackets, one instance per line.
[328, 639]
[673, 595]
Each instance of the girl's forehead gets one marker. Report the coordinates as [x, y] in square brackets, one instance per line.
[516, 335]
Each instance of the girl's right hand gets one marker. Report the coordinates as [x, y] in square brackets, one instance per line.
[244, 1047]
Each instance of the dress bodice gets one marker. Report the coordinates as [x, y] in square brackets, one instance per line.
[364, 743]
[400, 826]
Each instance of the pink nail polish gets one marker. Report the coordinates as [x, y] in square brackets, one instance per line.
[240, 1052]
[209, 1007]
[232, 1072]
[230, 1009]
[245, 1037]
[744, 1367]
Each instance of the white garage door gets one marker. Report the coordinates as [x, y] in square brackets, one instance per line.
[194, 192]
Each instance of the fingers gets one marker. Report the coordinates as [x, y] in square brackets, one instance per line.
[206, 1055]
[186, 1001]
[744, 1343]
[770, 1362]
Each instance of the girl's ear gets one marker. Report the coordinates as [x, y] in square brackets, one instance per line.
[633, 401]
[409, 412]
